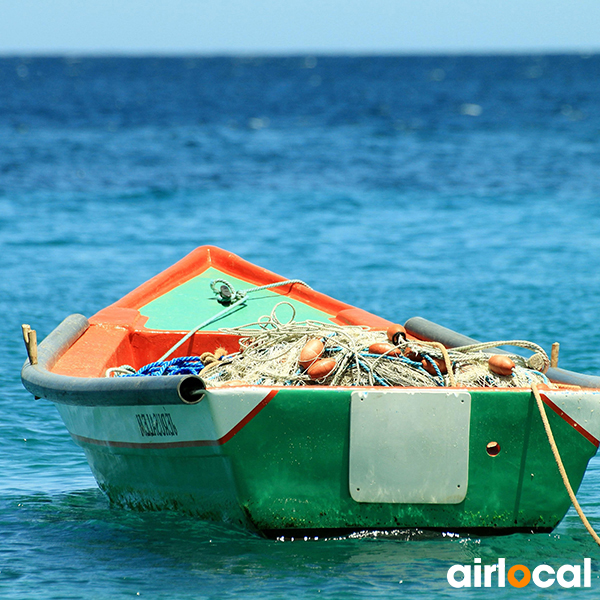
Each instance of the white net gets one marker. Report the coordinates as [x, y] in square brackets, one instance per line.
[270, 355]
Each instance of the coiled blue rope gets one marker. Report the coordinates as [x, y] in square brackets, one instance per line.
[182, 365]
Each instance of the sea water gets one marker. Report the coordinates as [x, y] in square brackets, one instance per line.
[462, 189]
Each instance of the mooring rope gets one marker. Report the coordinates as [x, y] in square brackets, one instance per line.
[229, 294]
[561, 467]
[189, 334]
[236, 297]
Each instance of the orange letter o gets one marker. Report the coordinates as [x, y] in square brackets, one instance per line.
[514, 581]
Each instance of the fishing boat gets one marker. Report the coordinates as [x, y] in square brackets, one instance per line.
[226, 391]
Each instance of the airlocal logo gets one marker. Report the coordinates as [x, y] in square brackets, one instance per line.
[519, 576]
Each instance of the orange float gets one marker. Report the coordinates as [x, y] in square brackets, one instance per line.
[384, 348]
[501, 365]
[310, 353]
[440, 362]
[396, 334]
[321, 368]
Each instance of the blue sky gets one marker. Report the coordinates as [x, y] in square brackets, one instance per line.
[297, 26]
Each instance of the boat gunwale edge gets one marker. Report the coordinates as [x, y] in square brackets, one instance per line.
[428, 330]
[96, 391]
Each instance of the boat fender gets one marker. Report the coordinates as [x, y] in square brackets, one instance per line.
[396, 334]
[321, 368]
[312, 351]
[501, 365]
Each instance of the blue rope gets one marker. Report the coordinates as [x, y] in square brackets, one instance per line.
[437, 370]
[375, 376]
[182, 365]
[406, 361]
[531, 379]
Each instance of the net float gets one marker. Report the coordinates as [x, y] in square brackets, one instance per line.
[321, 368]
[384, 348]
[234, 383]
[412, 355]
[501, 365]
[441, 365]
[396, 334]
[310, 353]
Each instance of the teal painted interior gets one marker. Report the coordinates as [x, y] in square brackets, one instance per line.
[193, 302]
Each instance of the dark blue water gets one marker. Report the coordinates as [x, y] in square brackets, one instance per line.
[462, 189]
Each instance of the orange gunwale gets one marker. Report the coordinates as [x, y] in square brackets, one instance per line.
[117, 334]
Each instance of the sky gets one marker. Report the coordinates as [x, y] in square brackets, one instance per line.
[297, 26]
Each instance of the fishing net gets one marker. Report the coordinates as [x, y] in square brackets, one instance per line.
[270, 355]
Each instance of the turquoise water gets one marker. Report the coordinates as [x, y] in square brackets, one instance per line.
[464, 190]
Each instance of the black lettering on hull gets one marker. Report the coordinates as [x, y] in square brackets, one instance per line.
[156, 424]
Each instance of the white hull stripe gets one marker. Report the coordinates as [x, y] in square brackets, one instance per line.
[184, 424]
[226, 417]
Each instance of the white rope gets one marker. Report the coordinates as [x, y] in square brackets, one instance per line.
[188, 335]
[239, 299]
[269, 355]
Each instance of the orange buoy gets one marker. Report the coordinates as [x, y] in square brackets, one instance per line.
[440, 362]
[234, 383]
[310, 353]
[501, 365]
[384, 348]
[321, 368]
[412, 355]
[396, 334]
[220, 352]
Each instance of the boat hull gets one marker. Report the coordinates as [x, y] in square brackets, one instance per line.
[288, 460]
[306, 457]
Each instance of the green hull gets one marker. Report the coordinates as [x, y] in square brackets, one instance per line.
[282, 458]
[287, 470]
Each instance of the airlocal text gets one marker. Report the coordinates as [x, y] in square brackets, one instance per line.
[519, 576]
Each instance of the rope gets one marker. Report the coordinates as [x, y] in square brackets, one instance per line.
[274, 285]
[559, 462]
[188, 335]
[517, 343]
[237, 297]
[231, 295]
[447, 361]
[270, 355]
[182, 365]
